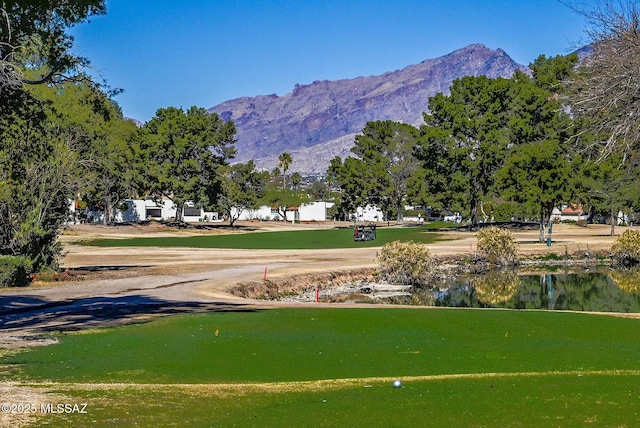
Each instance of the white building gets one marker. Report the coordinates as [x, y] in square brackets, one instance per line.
[312, 211]
[568, 212]
[369, 213]
[147, 209]
[453, 217]
[315, 211]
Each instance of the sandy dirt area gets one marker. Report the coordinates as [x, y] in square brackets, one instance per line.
[121, 285]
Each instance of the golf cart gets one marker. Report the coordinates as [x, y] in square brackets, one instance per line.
[364, 233]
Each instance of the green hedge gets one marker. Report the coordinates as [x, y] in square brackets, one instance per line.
[14, 271]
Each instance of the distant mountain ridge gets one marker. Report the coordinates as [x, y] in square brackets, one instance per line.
[318, 121]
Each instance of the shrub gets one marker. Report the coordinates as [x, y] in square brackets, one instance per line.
[626, 249]
[405, 263]
[14, 271]
[497, 246]
[550, 256]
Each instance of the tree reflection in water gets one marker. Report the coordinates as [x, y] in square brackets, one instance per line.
[615, 291]
[627, 279]
[496, 287]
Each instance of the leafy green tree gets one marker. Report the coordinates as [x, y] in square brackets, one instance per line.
[113, 173]
[39, 173]
[470, 133]
[182, 154]
[381, 169]
[351, 181]
[472, 127]
[537, 171]
[242, 188]
[606, 185]
[57, 147]
[551, 74]
[603, 180]
[274, 176]
[39, 163]
[104, 141]
[34, 45]
[318, 191]
[537, 174]
[432, 186]
[501, 210]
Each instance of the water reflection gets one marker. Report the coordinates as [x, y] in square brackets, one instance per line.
[627, 279]
[496, 287]
[616, 291]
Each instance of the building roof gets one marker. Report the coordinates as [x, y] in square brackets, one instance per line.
[572, 210]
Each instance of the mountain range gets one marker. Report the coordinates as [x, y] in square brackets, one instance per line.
[318, 121]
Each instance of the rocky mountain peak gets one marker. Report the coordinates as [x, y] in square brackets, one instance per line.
[317, 121]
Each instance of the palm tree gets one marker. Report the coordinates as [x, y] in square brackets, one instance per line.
[296, 178]
[285, 160]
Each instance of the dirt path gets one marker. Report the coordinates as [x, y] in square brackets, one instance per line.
[124, 285]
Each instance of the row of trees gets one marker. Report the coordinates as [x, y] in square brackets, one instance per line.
[73, 143]
[63, 138]
[40, 151]
[568, 132]
[497, 148]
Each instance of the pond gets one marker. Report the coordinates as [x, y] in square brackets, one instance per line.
[604, 291]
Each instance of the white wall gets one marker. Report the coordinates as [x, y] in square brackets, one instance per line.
[313, 211]
[262, 213]
[369, 213]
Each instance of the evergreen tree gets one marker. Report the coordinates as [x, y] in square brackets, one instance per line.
[182, 155]
[380, 171]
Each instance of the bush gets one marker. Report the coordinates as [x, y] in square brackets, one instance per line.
[497, 246]
[405, 263]
[626, 250]
[14, 271]
[550, 256]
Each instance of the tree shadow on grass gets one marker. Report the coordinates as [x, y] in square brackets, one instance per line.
[20, 313]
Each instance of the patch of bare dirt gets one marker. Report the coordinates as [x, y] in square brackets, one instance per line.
[21, 404]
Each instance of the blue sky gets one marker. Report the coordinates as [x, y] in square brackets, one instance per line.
[202, 52]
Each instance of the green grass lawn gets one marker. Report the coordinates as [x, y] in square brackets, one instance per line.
[334, 367]
[596, 400]
[302, 239]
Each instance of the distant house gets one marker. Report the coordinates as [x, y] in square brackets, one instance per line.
[568, 212]
[132, 210]
[453, 217]
[149, 209]
[369, 213]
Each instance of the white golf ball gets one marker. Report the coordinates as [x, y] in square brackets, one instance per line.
[397, 383]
